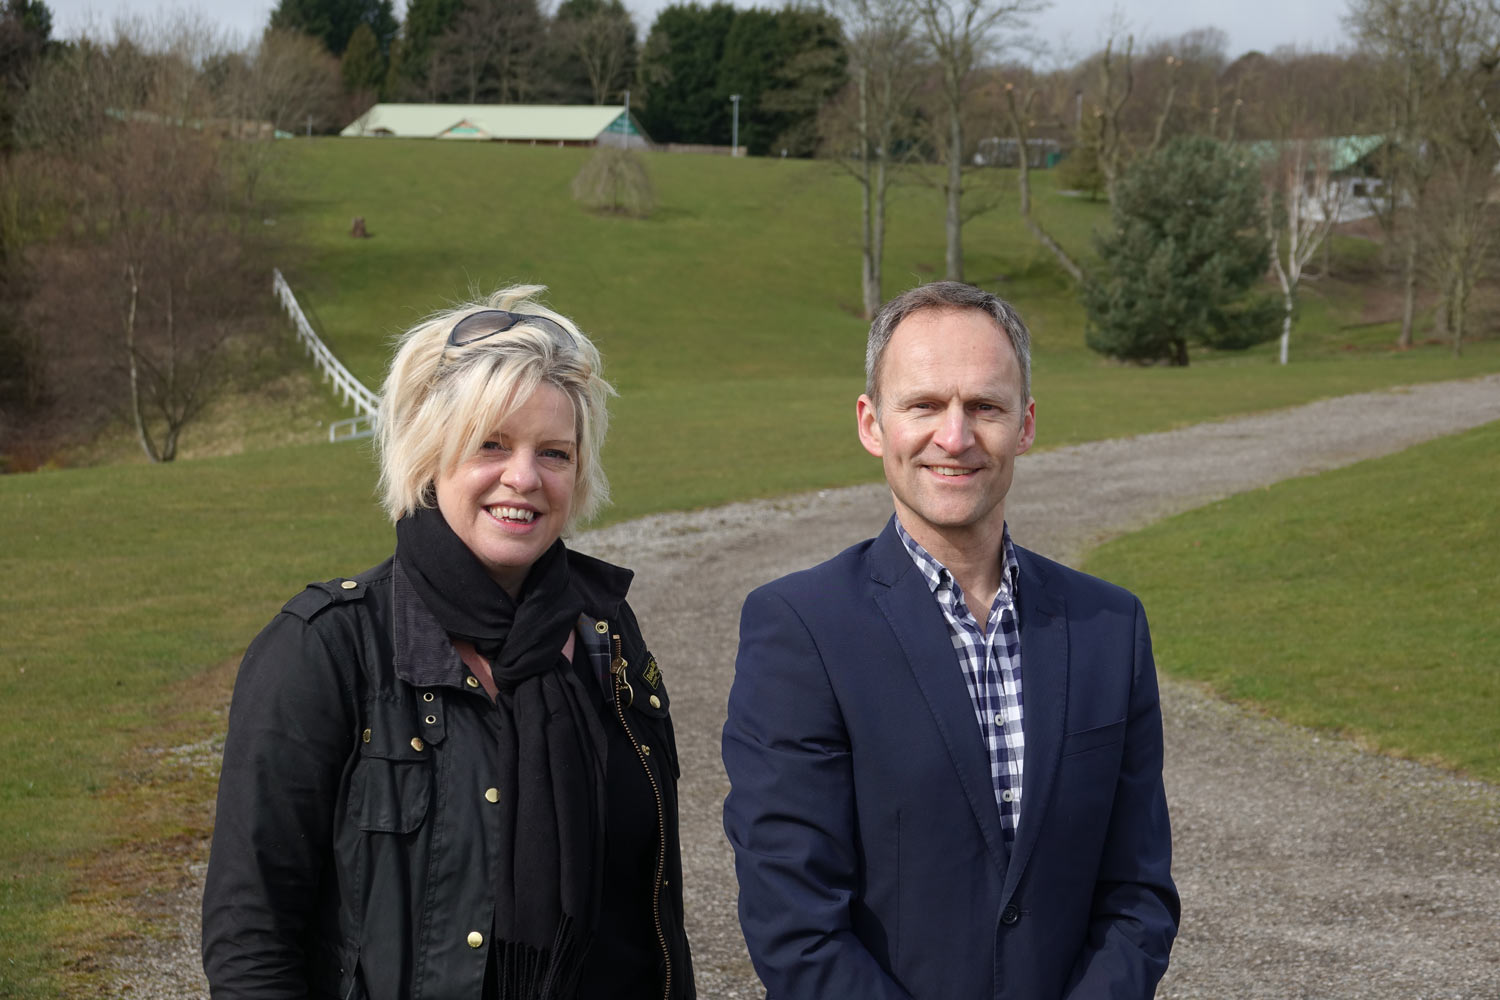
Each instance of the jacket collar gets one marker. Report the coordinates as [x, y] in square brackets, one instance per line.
[909, 607]
[904, 598]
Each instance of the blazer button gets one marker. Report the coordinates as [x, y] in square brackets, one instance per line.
[1010, 914]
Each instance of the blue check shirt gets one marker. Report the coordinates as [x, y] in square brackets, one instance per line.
[990, 659]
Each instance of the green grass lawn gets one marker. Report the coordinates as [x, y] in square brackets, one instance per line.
[1360, 601]
[728, 322]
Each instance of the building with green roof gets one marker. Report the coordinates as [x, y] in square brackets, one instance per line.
[536, 124]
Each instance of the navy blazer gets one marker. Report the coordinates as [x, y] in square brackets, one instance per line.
[863, 819]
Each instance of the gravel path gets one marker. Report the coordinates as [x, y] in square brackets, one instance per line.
[1308, 869]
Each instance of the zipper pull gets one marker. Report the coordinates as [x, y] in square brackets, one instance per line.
[617, 667]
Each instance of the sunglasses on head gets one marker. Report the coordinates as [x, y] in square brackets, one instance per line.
[488, 322]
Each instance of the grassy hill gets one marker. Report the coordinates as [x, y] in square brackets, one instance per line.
[728, 324]
[1360, 601]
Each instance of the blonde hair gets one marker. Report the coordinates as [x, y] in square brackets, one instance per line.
[439, 403]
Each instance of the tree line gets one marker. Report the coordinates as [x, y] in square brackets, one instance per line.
[126, 169]
[1221, 173]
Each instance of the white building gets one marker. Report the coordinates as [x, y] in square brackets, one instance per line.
[535, 124]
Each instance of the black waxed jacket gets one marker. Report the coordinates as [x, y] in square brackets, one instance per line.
[356, 807]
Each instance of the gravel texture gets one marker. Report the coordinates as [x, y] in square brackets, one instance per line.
[1308, 868]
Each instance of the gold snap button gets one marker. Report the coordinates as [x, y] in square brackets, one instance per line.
[471, 681]
[427, 696]
[349, 584]
[365, 736]
[655, 701]
[492, 795]
[431, 719]
[416, 743]
[601, 627]
[476, 939]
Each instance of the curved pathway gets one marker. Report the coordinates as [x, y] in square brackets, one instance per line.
[1307, 867]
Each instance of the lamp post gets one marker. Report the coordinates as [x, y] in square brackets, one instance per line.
[734, 140]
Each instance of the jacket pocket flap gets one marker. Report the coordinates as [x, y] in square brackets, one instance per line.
[390, 796]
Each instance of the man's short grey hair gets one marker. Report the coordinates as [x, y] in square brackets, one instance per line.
[945, 295]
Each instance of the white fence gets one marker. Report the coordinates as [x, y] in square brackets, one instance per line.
[353, 390]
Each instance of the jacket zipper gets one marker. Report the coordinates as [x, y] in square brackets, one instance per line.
[617, 671]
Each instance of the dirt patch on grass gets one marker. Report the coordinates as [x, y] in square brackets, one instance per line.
[129, 899]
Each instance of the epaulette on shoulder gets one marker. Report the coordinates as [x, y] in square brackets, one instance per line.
[318, 596]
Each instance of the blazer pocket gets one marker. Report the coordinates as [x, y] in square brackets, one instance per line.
[1092, 739]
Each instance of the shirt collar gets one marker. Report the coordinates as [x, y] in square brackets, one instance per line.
[940, 581]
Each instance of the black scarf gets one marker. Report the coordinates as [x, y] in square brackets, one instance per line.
[549, 868]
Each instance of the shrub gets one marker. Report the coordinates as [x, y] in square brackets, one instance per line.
[615, 181]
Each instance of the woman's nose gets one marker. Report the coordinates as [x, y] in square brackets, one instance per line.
[520, 473]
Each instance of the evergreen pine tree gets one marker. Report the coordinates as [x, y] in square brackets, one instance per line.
[1182, 262]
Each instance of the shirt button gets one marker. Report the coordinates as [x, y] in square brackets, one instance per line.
[349, 584]
[476, 939]
[1000, 720]
[655, 701]
[416, 743]
[1006, 795]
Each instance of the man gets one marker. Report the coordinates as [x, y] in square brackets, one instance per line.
[945, 751]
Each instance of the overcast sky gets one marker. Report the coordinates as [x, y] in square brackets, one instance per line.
[1072, 27]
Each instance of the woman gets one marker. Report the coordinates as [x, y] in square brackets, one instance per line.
[454, 775]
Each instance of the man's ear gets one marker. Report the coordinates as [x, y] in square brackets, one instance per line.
[868, 422]
[1028, 428]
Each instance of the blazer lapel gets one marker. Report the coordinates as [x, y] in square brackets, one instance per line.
[914, 616]
[1042, 611]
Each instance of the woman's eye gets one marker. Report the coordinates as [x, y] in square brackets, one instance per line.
[492, 446]
[557, 454]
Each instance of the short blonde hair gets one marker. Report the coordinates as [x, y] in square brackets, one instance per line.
[439, 403]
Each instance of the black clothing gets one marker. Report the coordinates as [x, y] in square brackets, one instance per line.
[623, 963]
[552, 749]
[362, 828]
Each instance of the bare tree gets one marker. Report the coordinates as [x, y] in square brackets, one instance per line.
[1116, 80]
[1019, 102]
[154, 233]
[862, 130]
[601, 40]
[489, 52]
[1439, 59]
[1300, 213]
[961, 34]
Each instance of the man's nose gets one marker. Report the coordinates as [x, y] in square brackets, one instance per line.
[956, 433]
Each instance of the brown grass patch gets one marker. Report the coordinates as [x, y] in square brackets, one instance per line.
[162, 809]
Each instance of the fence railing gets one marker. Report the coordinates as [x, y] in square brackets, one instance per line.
[365, 402]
